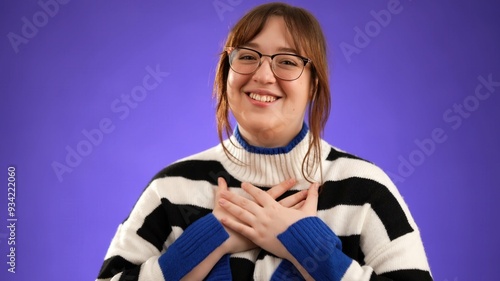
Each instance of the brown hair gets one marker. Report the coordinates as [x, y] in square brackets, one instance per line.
[308, 39]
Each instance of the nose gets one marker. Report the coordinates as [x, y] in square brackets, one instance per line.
[264, 74]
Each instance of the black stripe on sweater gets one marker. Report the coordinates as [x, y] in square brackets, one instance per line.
[359, 191]
[241, 269]
[351, 247]
[206, 170]
[335, 154]
[117, 264]
[210, 171]
[403, 274]
[158, 224]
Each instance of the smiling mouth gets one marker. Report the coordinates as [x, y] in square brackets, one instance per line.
[262, 98]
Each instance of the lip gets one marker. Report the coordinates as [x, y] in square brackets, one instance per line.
[261, 92]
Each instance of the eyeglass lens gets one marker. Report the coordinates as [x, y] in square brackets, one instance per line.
[284, 66]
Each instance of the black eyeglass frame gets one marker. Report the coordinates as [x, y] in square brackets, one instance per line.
[229, 50]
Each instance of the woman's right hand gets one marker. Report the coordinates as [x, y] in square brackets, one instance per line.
[238, 243]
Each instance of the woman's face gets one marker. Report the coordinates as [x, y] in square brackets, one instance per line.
[269, 111]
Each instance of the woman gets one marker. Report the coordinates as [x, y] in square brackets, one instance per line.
[251, 208]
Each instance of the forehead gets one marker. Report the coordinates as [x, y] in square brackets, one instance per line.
[274, 37]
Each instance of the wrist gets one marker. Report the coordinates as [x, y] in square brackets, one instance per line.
[223, 249]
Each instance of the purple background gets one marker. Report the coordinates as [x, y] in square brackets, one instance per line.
[392, 94]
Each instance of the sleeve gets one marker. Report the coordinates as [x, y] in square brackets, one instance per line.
[319, 251]
[316, 248]
[136, 252]
[193, 246]
[221, 270]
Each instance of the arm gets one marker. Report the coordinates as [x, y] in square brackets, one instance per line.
[200, 242]
[318, 249]
[136, 250]
[197, 248]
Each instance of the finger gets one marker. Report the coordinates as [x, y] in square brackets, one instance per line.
[299, 205]
[241, 202]
[260, 196]
[311, 202]
[278, 190]
[238, 227]
[293, 199]
[238, 212]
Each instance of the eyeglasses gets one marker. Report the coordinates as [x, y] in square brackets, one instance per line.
[284, 66]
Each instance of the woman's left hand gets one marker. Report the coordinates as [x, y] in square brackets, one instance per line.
[263, 220]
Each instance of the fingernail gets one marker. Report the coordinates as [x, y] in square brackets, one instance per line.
[222, 202]
[291, 181]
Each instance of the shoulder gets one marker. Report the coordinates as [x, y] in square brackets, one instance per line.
[350, 180]
[341, 165]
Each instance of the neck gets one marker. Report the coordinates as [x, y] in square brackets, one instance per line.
[270, 137]
[272, 150]
[266, 166]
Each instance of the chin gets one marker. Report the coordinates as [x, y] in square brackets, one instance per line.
[268, 126]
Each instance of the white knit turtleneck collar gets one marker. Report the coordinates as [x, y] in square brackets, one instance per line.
[268, 166]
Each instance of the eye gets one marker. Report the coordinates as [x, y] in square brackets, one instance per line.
[245, 55]
[287, 61]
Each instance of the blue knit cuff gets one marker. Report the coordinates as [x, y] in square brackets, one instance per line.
[286, 271]
[316, 248]
[198, 240]
[221, 270]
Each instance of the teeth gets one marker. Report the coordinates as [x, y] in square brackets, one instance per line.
[262, 98]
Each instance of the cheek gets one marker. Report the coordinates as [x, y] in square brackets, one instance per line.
[233, 85]
[234, 82]
[299, 93]
[230, 80]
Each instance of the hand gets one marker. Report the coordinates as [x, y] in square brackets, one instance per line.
[238, 243]
[263, 220]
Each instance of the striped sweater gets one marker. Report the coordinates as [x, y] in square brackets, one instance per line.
[363, 229]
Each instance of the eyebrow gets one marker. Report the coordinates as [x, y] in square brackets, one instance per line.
[281, 49]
